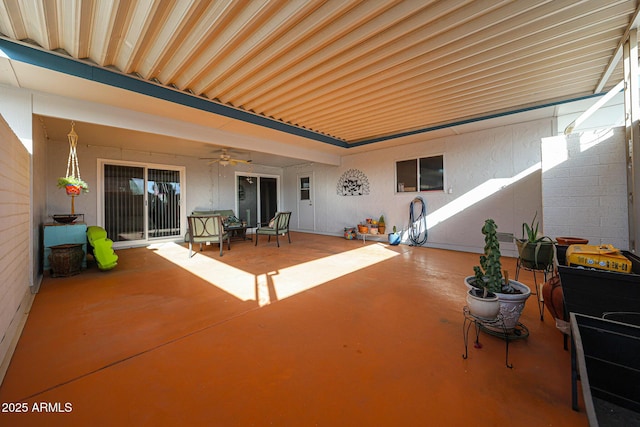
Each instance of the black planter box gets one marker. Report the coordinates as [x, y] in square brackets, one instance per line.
[595, 292]
[608, 355]
[600, 293]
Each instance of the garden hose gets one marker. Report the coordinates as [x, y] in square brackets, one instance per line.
[418, 226]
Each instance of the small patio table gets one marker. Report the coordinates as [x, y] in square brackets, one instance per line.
[238, 231]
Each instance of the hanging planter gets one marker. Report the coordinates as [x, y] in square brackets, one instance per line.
[73, 190]
[73, 186]
[71, 182]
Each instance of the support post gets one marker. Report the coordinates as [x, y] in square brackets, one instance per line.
[632, 115]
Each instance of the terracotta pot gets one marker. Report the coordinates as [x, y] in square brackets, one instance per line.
[553, 297]
[566, 241]
[73, 190]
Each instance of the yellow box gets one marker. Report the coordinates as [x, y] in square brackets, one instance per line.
[603, 257]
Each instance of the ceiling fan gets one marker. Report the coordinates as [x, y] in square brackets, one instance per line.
[225, 159]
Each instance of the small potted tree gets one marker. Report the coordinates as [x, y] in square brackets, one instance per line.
[488, 278]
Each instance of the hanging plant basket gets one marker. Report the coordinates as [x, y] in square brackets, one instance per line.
[73, 186]
[71, 182]
[73, 190]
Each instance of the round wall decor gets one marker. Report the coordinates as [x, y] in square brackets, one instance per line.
[353, 183]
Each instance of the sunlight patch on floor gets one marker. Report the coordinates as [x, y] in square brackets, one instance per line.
[301, 277]
[230, 279]
[272, 286]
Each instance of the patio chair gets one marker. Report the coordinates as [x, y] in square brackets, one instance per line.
[278, 226]
[207, 229]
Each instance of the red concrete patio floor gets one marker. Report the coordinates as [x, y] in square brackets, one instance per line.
[320, 332]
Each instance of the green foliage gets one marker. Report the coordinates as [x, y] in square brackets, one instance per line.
[395, 229]
[381, 220]
[72, 180]
[489, 274]
[530, 232]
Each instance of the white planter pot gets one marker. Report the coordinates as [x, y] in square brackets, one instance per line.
[485, 308]
[511, 305]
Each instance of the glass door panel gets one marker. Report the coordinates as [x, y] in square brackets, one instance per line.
[163, 193]
[268, 198]
[124, 194]
[248, 200]
[141, 203]
[257, 199]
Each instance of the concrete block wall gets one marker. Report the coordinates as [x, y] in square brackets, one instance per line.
[584, 187]
[492, 173]
[15, 244]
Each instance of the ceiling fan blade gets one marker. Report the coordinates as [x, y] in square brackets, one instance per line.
[225, 159]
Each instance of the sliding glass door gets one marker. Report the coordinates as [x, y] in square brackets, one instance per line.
[257, 198]
[141, 202]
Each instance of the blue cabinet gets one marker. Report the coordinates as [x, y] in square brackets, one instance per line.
[60, 234]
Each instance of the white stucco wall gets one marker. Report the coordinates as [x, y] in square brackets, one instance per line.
[207, 187]
[584, 186]
[488, 174]
[493, 173]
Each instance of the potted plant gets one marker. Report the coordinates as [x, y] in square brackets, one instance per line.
[394, 238]
[488, 276]
[535, 252]
[73, 186]
[373, 227]
[381, 226]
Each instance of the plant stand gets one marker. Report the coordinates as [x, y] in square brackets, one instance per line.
[364, 236]
[536, 257]
[495, 327]
[547, 272]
